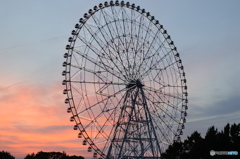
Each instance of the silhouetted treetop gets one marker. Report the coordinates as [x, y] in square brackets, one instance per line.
[6, 155]
[196, 147]
[51, 155]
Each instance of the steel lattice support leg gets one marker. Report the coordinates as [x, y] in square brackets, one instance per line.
[134, 135]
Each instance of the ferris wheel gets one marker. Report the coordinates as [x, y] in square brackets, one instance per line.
[125, 83]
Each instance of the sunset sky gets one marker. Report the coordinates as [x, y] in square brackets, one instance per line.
[34, 34]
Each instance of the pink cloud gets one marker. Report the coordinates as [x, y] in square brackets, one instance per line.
[34, 118]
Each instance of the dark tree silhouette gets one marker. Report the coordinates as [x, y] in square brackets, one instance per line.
[75, 157]
[32, 156]
[211, 141]
[51, 155]
[174, 151]
[196, 147]
[6, 155]
[193, 146]
[235, 137]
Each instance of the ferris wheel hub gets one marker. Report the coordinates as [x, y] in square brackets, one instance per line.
[135, 83]
[139, 83]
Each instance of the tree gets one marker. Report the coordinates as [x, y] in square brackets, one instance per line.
[211, 139]
[196, 147]
[51, 155]
[32, 156]
[193, 146]
[174, 151]
[6, 155]
[75, 157]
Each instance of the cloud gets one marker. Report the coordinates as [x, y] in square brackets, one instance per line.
[225, 106]
[11, 47]
[219, 113]
[34, 118]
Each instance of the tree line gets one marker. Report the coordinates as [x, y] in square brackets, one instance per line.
[197, 147]
[41, 155]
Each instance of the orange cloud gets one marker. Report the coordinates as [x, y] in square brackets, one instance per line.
[34, 118]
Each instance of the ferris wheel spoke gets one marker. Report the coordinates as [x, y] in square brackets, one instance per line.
[161, 117]
[139, 44]
[148, 32]
[104, 34]
[146, 72]
[126, 43]
[111, 32]
[110, 118]
[98, 40]
[120, 28]
[111, 29]
[154, 52]
[153, 90]
[150, 47]
[94, 35]
[102, 79]
[168, 126]
[99, 127]
[77, 89]
[163, 129]
[139, 30]
[125, 16]
[107, 98]
[153, 104]
[121, 31]
[164, 132]
[169, 64]
[100, 82]
[101, 64]
[152, 58]
[113, 116]
[109, 24]
[108, 54]
[76, 59]
[132, 41]
[171, 116]
[164, 102]
[135, 45]
[165, 110]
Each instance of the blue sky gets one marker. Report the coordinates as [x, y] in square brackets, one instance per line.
[34, 35]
